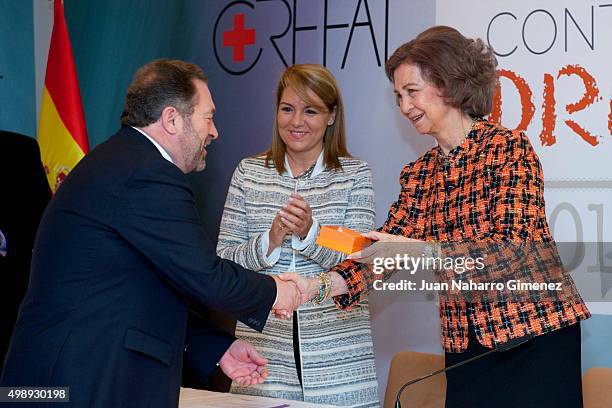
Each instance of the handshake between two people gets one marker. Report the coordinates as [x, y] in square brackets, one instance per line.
[293, 289]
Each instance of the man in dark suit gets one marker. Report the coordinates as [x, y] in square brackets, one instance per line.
[120, 255]
[24, 194]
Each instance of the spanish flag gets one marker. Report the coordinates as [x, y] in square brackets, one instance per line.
[62, 134]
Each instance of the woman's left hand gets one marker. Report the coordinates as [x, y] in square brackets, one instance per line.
[379, 249]
[297, 215]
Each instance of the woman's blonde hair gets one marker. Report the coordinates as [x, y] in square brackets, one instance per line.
[314, 77]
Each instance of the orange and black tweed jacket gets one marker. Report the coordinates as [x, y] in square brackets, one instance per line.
[490, 188]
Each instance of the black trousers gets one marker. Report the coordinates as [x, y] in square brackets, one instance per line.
[545, 372]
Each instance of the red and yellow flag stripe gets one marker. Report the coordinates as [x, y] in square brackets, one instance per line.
[62, 134]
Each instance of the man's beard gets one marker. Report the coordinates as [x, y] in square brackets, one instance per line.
[197, 161]
[200, 162]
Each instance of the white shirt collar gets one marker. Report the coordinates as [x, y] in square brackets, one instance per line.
[318, 168]
[163, 152]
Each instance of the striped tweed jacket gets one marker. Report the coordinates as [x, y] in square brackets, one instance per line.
[336, 350]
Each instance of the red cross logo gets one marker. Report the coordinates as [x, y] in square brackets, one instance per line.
[238, 38]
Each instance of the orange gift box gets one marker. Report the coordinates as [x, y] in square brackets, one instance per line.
[342, 239]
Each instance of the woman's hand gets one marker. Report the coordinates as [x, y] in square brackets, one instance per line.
[379, 250]
[278, 230]
[297, 215]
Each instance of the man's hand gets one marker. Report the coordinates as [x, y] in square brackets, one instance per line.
[288, 298]
[243, 364]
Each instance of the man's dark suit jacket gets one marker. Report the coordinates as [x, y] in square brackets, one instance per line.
[119, 256]
[24, 194]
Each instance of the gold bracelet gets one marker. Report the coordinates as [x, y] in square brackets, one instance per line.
[328, 285]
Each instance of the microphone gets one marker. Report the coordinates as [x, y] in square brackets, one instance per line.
[502, 348]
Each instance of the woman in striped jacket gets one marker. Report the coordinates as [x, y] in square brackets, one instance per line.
[275, 206]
